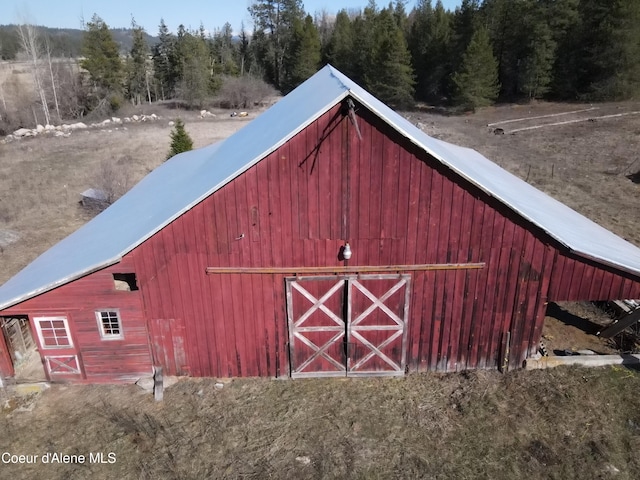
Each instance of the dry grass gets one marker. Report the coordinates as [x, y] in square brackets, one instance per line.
[563, 423]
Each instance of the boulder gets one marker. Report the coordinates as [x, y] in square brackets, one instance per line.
[77, 126]
[135, 118]
[22, 132]
[116, 120]
[39, 128]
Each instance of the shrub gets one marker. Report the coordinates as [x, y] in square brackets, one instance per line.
[243, 92]
[180, 140]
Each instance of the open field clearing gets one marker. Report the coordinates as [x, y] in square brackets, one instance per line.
[564, 423]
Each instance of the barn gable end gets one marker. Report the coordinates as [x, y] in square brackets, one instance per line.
[246, 278]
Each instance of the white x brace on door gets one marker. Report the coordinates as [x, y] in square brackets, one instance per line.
[347, 325]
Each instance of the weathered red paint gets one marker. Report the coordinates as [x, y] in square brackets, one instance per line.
[296, 208]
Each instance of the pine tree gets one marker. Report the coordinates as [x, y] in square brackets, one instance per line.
[609, 60]
[304, 55]
[137, 81]
[195, 82]
[101, 56]
[339, 49]
[477, 79]
[391, 78]
[430, 46]
[275, 19]
[165, 65]
[180, 140]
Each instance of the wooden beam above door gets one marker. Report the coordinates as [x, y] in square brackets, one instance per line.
[343, 269]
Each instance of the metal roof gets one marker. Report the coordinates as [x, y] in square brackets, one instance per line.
[182, 182]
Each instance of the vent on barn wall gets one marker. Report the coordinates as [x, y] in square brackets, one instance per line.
[125, 282]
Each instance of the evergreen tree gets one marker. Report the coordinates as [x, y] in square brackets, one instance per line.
[137, 81]
[165, 62]
[391, 79]
[180, 140]
[275, 19]
[195, 81]
[609, 60]
[363, 65]
[537, 64]
[430, 46]
[225, 51]
[477, 79]
[303, 58]
[102, 61]
[339, 48]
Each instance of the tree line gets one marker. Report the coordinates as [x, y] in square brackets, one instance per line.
[483, 52]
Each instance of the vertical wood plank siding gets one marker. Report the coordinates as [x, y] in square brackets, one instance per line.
[297, 207]
[394, 205]
[102, 360]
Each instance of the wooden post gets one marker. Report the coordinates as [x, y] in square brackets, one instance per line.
[506, 347]
[158, 384]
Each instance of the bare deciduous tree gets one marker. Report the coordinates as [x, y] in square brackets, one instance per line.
[30, 43]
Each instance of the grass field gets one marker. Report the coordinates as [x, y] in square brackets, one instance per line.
[565, 423]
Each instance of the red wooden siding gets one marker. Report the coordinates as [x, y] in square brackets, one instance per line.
[102, 360]
[297, 207]
[576, 279]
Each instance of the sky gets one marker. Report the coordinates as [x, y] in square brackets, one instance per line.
[211, 14]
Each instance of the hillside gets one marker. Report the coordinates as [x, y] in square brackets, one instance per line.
[65, 42]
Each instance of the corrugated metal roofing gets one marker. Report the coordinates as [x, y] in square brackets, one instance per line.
[185, 180]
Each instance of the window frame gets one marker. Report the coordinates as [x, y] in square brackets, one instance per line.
[52, 318]
[103, 334]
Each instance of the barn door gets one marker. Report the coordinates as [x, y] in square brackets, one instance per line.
[347, 325]
[57, 348]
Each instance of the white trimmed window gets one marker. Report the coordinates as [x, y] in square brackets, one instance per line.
[109, 324]
[53, 332]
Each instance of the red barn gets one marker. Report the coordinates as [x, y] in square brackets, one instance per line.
[329, 237]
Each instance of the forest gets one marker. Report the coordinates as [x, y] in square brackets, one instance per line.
[485, 51]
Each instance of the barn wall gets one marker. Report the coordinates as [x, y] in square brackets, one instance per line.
[577, 279]
[102, 360]
[297, 208]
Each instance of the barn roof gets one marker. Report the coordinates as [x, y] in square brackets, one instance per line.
[185, 180]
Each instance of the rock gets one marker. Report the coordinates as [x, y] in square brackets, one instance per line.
[135, 118]
[106, 122]
[219, 386]
[303, 460]
[39, 128]
[64, 127]
[116, 120]
[172, 123]
[146, 383]
[49, 128]
[243, 114]
[153, 116]
[58, 133]
[77, 126]
[203, 113]
[21, 132]
[126, 120]
[420, 125]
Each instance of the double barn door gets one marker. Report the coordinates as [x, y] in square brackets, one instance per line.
[347, 325]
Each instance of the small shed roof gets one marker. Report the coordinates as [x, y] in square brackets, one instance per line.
[186, 179]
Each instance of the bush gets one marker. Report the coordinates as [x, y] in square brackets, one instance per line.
[243, 92]
[180, 140]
